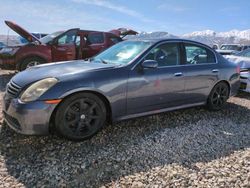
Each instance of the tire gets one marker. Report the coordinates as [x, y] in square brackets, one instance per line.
[218, 96]
[80, 116]
[29, 62]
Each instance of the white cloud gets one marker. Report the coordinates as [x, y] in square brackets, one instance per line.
[44, 17]
[118, 8]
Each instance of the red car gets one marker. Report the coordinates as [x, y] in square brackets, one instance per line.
[59, 46]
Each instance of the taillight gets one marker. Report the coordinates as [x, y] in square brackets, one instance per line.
[238, 69]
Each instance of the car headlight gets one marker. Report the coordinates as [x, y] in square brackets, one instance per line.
[38, 88]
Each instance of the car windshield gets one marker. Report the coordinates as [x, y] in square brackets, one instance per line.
[229, 47]
[123, 52]
[50, 37]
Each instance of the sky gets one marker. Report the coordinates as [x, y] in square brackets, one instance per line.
[174, 16]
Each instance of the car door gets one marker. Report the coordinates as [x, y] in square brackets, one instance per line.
[64, 47]
[201, 71]
[95, 43]
[156, 88]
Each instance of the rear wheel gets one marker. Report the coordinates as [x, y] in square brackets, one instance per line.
[80, 116]
[30, 62]
[218, 96]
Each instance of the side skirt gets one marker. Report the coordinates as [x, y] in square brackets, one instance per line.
[158, 111]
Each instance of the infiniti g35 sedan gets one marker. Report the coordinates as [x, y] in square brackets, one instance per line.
[131, 79]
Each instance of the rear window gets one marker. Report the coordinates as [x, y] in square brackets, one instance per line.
[198, 55]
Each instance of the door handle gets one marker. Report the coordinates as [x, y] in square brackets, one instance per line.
[215, 70]
[178, 74]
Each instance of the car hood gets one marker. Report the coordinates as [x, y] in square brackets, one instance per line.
[243, 62]
[22, 32]
[58, 70]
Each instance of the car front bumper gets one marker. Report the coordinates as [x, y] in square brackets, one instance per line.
[31, 118]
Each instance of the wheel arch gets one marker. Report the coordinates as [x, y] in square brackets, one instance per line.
[18, 65]
[97, 93]
[219, 81]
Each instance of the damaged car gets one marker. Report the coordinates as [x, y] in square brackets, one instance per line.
[243, 60]
[67, 45]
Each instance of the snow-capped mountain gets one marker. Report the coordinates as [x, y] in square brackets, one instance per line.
[245, 34]
[205, 33]
[211, 37]
[208, 37]
[156, 34]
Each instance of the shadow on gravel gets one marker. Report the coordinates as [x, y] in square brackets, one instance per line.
[244, 95]
[183, 137]
[4, 79]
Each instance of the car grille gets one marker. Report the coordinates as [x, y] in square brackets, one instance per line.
[13, 89]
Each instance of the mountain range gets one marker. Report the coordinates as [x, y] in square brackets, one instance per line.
[211, 37]
[208, 37]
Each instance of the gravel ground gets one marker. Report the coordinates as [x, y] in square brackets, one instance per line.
[186, 148]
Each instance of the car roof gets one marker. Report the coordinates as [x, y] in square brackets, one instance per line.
[175, 39]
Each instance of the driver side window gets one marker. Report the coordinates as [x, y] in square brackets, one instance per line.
[165, 54]
[67, 38]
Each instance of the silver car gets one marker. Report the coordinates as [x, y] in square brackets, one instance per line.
[242, 59]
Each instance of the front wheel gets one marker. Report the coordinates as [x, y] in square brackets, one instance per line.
[80, 116]
[218, 96]
[30, 62]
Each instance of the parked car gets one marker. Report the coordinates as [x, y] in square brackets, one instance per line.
[37, 35]
[228, 49]
[59, 46]
[244, 47]
[130, 79]
[243, 60]
[2, 45]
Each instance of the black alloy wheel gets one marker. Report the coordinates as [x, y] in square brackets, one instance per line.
[80, 116]
[218, 96]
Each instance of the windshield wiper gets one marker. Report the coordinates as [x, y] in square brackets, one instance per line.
[103, 61]
[89, 59]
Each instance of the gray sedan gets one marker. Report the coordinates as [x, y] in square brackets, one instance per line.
[131, 79]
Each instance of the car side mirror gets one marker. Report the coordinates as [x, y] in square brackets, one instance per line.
[150, 64]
